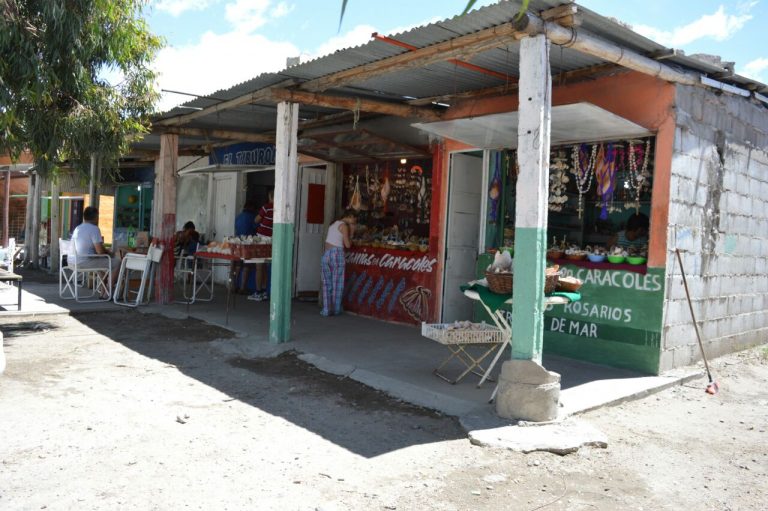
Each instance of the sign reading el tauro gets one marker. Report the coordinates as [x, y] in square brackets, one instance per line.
[250, 153]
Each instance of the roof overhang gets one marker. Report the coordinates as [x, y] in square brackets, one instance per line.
[219, 169]
[577, 122]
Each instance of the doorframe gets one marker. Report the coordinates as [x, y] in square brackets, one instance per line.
[297, 219]
[483, 208]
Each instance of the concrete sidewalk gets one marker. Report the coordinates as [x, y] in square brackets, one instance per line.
[395, 359]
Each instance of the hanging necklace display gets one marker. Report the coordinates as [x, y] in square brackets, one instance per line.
[637, 179]
[494, 190]
[605, 176]
[557, 182]
[584, 170]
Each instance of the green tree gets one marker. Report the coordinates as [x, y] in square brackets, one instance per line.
[54, 99]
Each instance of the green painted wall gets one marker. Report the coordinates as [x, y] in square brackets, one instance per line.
[618, 322]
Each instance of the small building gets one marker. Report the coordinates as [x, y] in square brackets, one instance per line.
[427, 146]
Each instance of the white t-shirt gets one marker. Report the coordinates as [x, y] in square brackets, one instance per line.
[84, 236]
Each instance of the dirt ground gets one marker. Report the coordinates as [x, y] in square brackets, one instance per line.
[132, 411]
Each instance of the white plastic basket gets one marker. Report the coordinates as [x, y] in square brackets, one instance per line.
[477, 333]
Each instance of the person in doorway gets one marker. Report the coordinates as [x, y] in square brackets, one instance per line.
[185, 241]
[634, 235]
[338, 239]
[245, 225]
[264, 221]
[245, 222]
[88, 241]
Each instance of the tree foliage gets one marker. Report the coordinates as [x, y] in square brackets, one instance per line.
[54, 99]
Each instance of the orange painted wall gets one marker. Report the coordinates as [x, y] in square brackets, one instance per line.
[637, 97]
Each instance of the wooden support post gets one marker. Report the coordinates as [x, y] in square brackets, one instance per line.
[533, 133]
[164, 212]
[55, 222]
[28, 215]
[6, 207]
[34, 239]
[286, 175]
[92, 188]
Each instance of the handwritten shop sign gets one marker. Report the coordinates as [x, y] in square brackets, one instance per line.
[390, 285]
[244, 154]
[423, 264]
[616, 322]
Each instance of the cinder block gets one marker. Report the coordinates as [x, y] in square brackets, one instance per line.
[666, 360]
[684, 355]
[679, 335]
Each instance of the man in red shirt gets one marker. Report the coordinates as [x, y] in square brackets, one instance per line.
[264, 219]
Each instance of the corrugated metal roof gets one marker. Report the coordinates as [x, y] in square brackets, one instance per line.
[438, 79]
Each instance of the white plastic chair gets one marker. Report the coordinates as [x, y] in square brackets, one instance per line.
[77, 272]
[137, 263]
[7, 254]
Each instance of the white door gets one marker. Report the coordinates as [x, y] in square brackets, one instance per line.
[309, 232]
[223, 213]
[465, 186]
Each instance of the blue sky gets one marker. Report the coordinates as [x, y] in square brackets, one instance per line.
[214, 44]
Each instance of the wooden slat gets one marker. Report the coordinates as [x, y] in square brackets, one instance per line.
[464, 46]
[350, 103]
[214, 134]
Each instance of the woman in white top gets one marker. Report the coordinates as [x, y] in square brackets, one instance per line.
[332, 264]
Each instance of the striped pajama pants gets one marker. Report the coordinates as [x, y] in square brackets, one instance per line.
[332, 274]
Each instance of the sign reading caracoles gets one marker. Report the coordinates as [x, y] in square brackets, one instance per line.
[423, 264]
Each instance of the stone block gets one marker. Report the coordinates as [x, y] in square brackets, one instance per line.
[527, 391]
[683, 355]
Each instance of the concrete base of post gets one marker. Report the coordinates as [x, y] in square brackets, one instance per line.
[527, 392]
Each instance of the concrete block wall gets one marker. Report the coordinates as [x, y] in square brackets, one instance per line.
[718, 218]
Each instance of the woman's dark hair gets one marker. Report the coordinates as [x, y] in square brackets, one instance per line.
[637, 221]
[350, 213]
[189, 225]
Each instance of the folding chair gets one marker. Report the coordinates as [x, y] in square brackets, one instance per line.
[79, 270]
[137, 263]
[199, 274]
[469, 348]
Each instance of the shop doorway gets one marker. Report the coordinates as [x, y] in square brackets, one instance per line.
[310, 227]
[465, 184]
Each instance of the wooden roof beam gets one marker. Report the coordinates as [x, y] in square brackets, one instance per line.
[240, 136]
[353, 104]
[460, 47]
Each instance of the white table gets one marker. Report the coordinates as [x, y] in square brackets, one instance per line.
[501, 322]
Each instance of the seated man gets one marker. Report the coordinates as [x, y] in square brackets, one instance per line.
[185, 241]
[87, 240]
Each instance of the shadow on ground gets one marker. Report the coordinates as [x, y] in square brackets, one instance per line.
[347, 413]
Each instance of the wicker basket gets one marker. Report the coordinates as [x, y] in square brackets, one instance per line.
[499, 283]
[552, 277]
[569, 284]
[476, 333]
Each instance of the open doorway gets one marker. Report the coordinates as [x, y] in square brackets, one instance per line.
[465, 185]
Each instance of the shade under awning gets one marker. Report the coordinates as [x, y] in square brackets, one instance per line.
[577, 122]
[218, 168]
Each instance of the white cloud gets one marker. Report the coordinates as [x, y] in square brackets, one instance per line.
[719, 26]
[360, 34]
[247, 15]
[177, 7]
[280, 10]
[756, 69]
[217, 61]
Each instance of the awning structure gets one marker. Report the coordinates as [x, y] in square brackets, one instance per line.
[582, 122]
[219, 168]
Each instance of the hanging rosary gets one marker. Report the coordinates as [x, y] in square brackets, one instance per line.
[637, 180]
[583, 172]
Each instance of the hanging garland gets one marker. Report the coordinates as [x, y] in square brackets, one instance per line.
[605, 173]
[557, 182]
[584, 170]
[638, 180]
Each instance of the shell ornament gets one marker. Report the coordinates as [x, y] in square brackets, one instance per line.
[415, 301]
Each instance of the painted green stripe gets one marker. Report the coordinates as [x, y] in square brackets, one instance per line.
[281, 283]
[528, 290]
